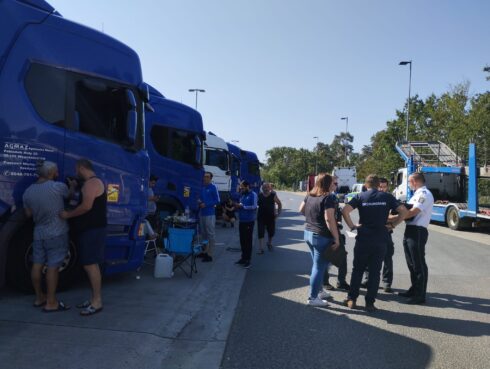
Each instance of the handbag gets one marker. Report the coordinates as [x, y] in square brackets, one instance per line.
[337, 256]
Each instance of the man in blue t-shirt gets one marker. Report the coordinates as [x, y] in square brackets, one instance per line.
[207, 216]
[372, 237]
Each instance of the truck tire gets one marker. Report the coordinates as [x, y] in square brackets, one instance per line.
[454, 221]
[20, 262]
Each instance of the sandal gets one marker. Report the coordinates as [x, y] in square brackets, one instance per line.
[61, 307]
[90, 310]
[83, 305]
[269, 246]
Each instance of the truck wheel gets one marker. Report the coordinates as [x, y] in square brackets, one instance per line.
[454, 221]
[20, 262]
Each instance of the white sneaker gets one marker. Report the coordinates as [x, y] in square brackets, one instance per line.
[324, 295]
[316, 302]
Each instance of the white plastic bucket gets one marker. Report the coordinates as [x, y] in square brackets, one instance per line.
[163, 266]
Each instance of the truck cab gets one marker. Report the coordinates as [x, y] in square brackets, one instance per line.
[174, 137]
[347, 177]
[69, 92]
[235, 158]
[250, 170]
[217, 160]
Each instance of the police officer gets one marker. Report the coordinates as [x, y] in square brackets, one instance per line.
[372, 237]
[342, 269]
[415, 238]
[390, 250]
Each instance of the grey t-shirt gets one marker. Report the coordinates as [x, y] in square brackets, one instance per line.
[46, 202]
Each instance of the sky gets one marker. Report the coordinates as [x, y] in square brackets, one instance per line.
[279, 72]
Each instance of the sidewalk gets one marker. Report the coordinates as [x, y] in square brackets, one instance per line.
[146, 322]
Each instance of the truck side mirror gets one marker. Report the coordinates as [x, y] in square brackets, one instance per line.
[132, 118]
[144, 92]
[198, 158]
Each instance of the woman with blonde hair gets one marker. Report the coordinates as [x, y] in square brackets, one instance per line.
[320, 233]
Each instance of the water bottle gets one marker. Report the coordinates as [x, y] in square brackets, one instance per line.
[187, 212]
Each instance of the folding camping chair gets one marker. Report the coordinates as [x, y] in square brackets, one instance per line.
[180, 242]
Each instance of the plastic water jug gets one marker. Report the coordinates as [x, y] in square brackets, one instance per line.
[163, 266]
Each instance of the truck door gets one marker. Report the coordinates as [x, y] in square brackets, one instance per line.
[103, 121]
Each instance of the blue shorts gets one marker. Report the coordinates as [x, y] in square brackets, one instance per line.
[50, 252]
[91, 246]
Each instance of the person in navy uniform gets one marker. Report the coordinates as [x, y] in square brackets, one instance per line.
[415, 238]
[390, 250]
[372, 237]
[247, 213]
[207, 217]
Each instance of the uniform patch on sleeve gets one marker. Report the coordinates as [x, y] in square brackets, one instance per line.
[421, 200]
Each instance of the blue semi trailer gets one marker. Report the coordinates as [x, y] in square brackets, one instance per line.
[67, 92]
[174, 138]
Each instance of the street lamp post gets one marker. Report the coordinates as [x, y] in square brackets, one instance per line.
[409, 90]
[345, 139]
[196, 90]
[316, 155]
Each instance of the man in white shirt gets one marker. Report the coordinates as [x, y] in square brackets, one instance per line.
[415, 238]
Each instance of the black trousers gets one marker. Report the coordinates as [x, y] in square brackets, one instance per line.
[387, 265]
[246, 230]
[414, 241]
[368, 253]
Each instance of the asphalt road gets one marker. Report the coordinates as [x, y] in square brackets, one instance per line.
[273, 328]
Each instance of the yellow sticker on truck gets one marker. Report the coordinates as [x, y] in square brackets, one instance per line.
[112, 193]
[187, 191]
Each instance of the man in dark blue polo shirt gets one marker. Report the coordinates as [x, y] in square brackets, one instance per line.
[372, 237]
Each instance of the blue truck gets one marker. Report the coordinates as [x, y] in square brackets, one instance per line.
[67, 92]
[174, 139]
[250, 170]
[461, 188]
[235, 155]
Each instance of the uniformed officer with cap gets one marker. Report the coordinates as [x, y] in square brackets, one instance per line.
[415, 238]
[372, 237]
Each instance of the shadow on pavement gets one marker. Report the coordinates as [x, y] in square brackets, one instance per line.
[273, 328]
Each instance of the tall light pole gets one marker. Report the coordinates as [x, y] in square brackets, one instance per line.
[196, 90]
[316, 155]
[409, 88]
[345, 139]
[235, 141]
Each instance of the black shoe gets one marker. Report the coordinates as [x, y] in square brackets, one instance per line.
[408, 293]
[329, 287]
[415, 301]
[370, 308]
[363, 285]
[246, 265]
[343, 286]
[232, 224]
[240, 262]
[201, 255]
[224, 225]
[388, 289]
[206, 258]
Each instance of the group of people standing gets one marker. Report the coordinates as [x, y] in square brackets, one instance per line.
[379, 214]
[44, 202]
[251, 208]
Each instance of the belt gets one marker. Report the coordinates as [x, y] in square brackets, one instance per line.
[416, 226]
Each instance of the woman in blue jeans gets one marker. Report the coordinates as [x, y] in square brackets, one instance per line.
[320, 233]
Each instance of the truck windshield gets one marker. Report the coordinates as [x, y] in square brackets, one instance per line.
[254, 169]
[217, 158]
